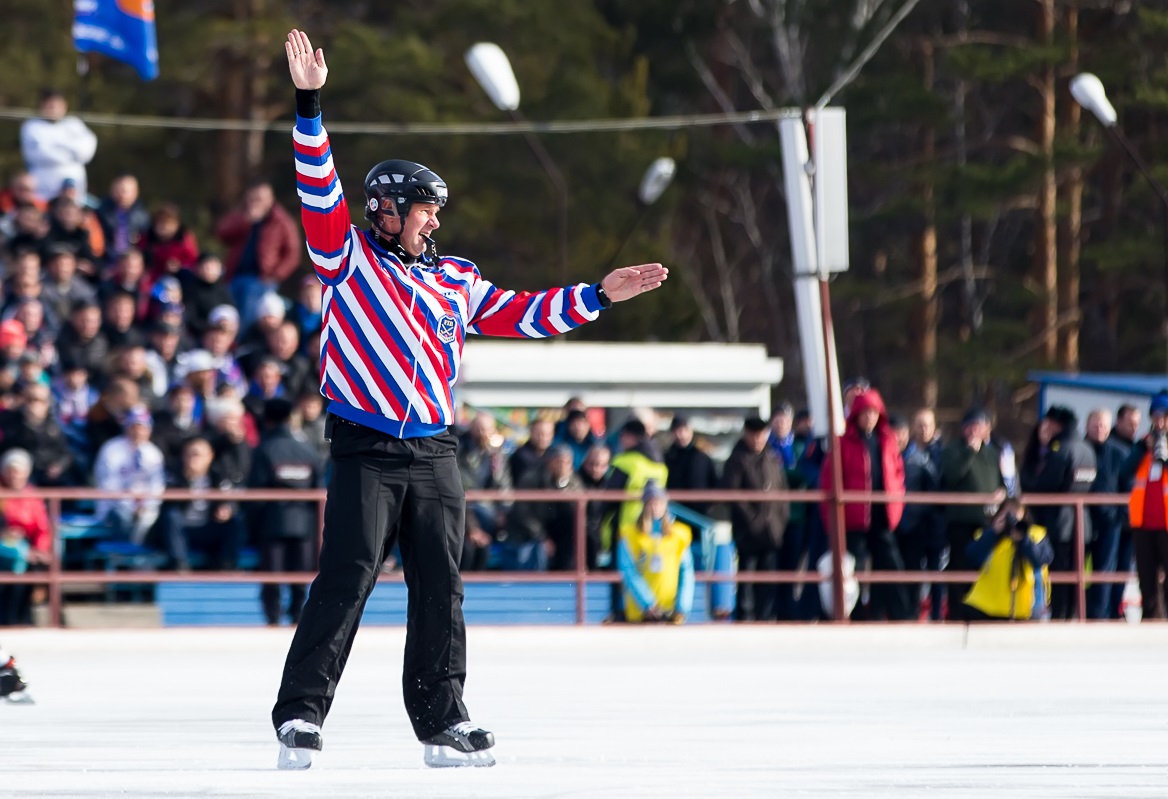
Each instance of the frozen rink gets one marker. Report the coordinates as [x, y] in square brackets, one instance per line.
[1034, 711]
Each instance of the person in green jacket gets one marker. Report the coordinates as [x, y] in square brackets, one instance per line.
[969, 465]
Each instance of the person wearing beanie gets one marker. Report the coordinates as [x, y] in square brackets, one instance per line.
[1058, 461]
[575, 432]
[538, 536]
[757, 527]
[130, 462]
[871, 461]
[654, 560]
[1145, 475]
[969, 465]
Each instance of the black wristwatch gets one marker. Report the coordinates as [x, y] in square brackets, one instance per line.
[602, 295]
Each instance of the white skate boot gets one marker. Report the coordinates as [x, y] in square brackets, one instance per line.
[463, 744]
[299, 742]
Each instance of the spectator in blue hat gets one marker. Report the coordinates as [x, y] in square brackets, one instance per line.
[130, 462]
[655, 564]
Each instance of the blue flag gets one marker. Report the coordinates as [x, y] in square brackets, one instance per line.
[121, 29]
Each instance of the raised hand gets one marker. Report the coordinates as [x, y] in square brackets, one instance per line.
[629, 281]
[307, 68]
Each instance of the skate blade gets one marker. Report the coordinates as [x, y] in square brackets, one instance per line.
[294, 759]
[449, 757]
[20, 698]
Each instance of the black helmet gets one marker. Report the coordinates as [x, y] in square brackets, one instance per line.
[406, 182]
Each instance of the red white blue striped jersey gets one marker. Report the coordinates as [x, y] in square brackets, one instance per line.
[392, 335]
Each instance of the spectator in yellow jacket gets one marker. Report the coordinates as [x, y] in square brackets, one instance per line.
[653, 557]
[1013, 554]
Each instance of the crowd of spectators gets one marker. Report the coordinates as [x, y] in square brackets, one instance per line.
[134, 356]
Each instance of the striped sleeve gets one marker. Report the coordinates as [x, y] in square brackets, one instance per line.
[323, 210]
[495, 312]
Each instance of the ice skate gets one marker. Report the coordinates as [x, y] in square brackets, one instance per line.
[13, 688]
[299, 742]
[463, 744]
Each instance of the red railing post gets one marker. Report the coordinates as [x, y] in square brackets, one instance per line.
[837, 537]
[581, 536]
[55, 598]
[1080, 562]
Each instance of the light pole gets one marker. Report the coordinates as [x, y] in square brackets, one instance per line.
[1088, 92]
[653, 184]
[491, 68]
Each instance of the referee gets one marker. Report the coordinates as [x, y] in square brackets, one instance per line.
[395, 315]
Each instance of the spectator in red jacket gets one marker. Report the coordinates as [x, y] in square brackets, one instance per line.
[167, 245]
[25, 532]
[265, 248]
[871, 461]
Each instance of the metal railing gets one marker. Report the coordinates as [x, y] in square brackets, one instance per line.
[55, 577]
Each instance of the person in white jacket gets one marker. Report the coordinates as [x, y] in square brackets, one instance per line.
[56, 146]
[130, 462]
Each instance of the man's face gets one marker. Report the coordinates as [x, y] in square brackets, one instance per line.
[31, 314]
[976, 431]
[182, 402]
[482, 429]
[133, 362]
[23, 188]
[284, 340]
[36, 403]
[1098, 426]
[210, 270]
[1128, 424]
[781, 424]
[68, 215]
[30, 220]
[53, 108]
[422, 220]
[132, 267]
[683, 435]
[579, 428]
[756, 440]
[1047, 430]
[1160, 422]
[310, 296]
[138, 434]
[15, 477]
[165, 344]
[258, 202]
[87, 322]
[560, 467]
[596, 464]
[867, 419]
[197, 458]
[924, 428]
[27, 264]
[76, 378]
[217, 341]
[124, 191]
[542, 432]
[120, 312]
[62, 268]
[268, 378]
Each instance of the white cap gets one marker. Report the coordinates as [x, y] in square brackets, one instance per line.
[197, 361]
[271, 304]
[224, 314]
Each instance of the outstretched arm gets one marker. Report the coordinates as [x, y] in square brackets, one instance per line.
[323, 210]
[495, 312]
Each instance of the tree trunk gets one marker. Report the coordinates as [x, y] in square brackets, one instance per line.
[1071, 226]
[925, 324]
[1045, 248]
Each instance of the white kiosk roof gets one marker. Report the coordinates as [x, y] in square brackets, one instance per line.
[507, 374]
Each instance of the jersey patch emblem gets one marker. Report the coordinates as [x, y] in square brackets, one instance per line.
[447, 329]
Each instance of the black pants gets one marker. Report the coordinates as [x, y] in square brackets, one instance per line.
[960, 535]
[1151, 548]
[889, 601]
[285, 555]
[756, 601]
[1063, 602]
[381, 489]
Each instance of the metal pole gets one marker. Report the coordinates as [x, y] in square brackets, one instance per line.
[581, 535]
[838, 537]
[1162, 194]
[55, 564]
[1080, 564]
[560, 185]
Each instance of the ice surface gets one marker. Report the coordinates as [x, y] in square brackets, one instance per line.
[1034, 711]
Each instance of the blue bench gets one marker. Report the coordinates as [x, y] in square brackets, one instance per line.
[238, 604]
